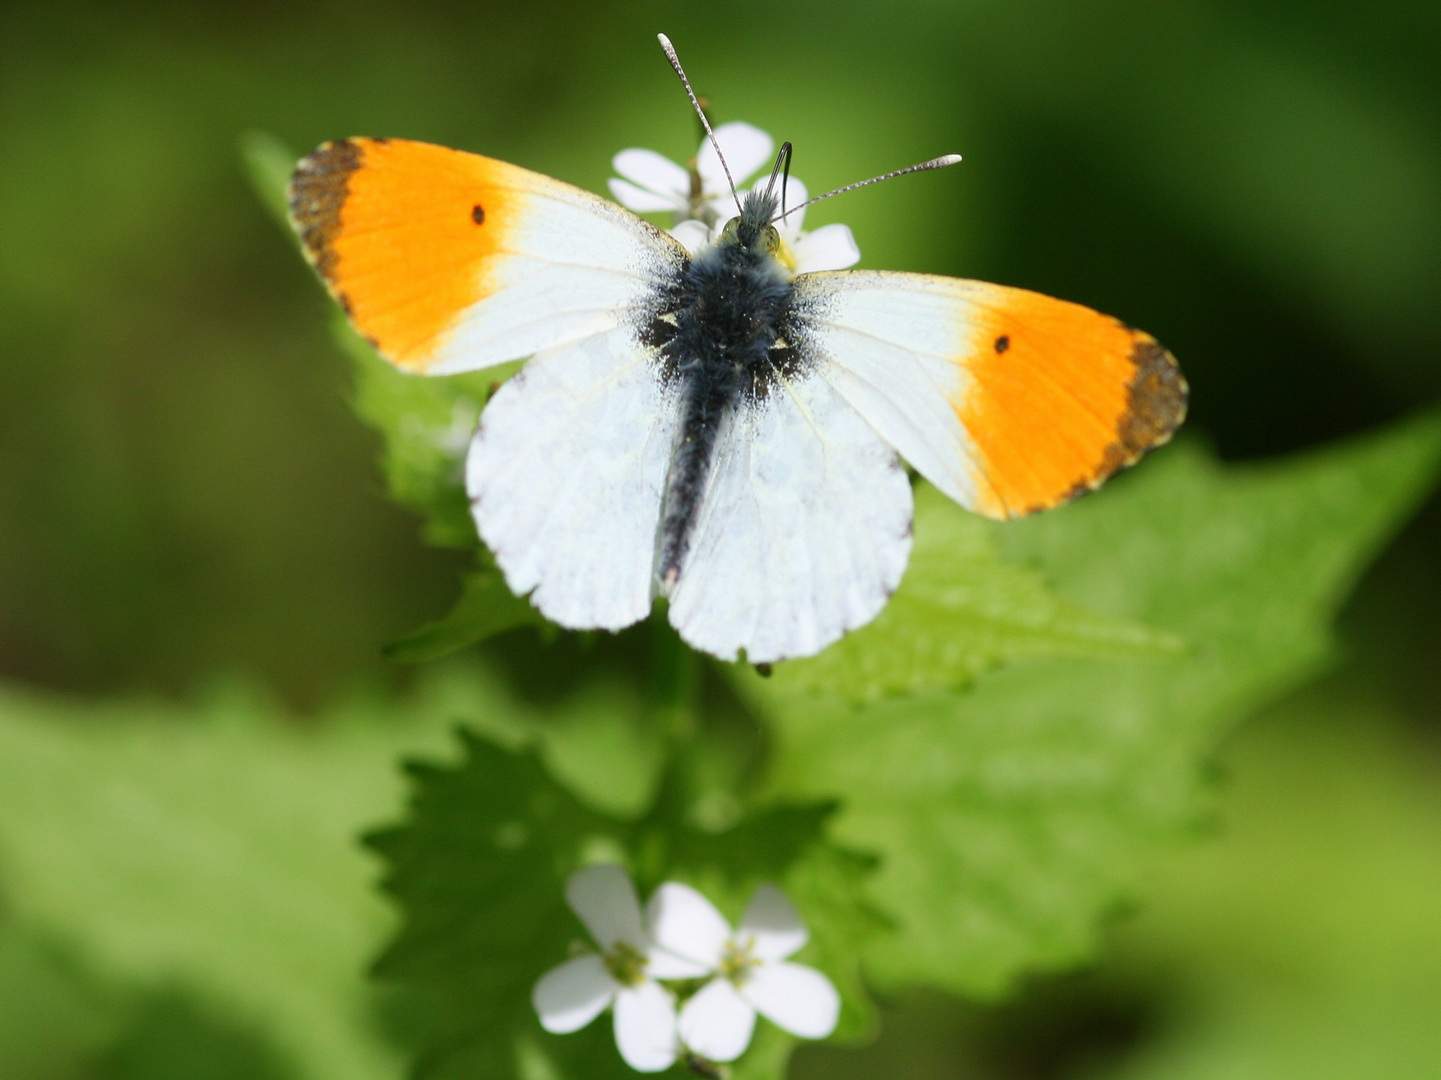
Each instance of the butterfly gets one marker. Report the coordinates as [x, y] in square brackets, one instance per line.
[709, 427]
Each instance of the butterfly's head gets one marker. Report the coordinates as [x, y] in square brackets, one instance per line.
[753, 230]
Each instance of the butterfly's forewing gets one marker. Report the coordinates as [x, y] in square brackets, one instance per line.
[804, 531]
[449, 261]
[1008, 401]
[565, 476]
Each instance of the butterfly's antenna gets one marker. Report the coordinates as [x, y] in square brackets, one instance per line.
[675, 63]
[782, 159]
[935, 163]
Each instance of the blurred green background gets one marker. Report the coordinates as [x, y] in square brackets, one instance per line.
[190, 514]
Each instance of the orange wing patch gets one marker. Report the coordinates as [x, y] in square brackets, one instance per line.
[405, 235]
[1059, 398]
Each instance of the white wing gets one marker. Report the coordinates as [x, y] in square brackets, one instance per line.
[565, 476]
[803, 532]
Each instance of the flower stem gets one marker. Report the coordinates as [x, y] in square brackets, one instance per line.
[674, 679]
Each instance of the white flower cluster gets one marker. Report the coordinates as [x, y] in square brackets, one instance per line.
[681, 936]
[700, 200]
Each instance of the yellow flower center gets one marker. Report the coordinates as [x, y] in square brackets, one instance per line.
[785, 256]
[625, 964]
[737, 961]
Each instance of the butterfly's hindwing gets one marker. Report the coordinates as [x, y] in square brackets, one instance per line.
[565, 475]
[804, 530]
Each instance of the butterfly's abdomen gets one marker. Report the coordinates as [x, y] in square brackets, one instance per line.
[722, 332]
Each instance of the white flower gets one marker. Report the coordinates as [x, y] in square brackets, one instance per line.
[623, 974]
[750, 969]
[701, 201]
[653, 182]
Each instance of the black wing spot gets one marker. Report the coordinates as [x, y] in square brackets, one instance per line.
[1003, 343]
[477, 214]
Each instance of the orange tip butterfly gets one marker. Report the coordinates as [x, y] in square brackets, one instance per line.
[709, 426]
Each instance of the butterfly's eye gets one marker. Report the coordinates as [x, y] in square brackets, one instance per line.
[778, 248]
[732, 227]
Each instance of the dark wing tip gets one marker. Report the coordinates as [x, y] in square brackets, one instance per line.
[317, 193]
[1156, 398]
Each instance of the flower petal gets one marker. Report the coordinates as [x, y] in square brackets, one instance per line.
[640, 200]
[686, 924]
[831, 247]
[692, 234]
[794, 997]
[716, 1023]
[796, 195]
[723, 207]
[604, 899]
[645, 1027]
[746, 149]
[653, 172]
[772, 923]
[661, 964]
[568, 997]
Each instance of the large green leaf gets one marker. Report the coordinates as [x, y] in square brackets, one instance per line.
[480, 875]
[1305, 942]
[216, 851]
[486, 607]
[1009, 818]
[960, 611]
[425, 424]
[59, 1020]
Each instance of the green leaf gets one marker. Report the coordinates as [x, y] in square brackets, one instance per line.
[53, 1015]
[830, 885]
[606, 743]
[479, 872]
[768, 1056]
[1008, 819]
[425, 423]
[1304, 942]
[58, 1019]
[211, 850]
[268, 164]
[960, 611]
[486, 607]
